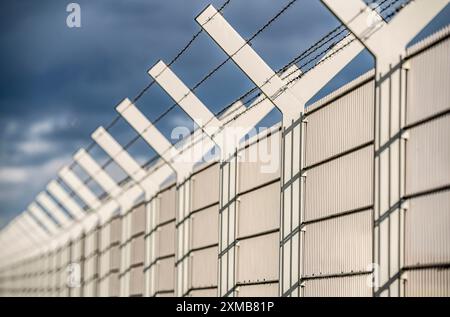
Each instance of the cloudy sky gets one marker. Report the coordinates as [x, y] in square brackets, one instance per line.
[58, 83]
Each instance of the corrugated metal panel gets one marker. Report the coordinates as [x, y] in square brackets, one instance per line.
[165, 273]
[261, 290]
[342, 125]
[204, 268]
[89, 289]
[115, 257]
[103, 287]
[205, 187]
[428, 156]
[137, 250]
[90, 268]
[138, 220]
[166, 237]
[205, 226]
[348, 286]
[116, 229]
[259, 210]
[165, 294]
[91, 243]
[258, 259]
[338, 245]
[203, 293]
[137, 281]
[105, 237]
[427, 229]
[64, 261]
[105, 263]
[114, 285]
[431, 282]
[428, 82]
[259, 163]
[77, 249]
[340, 185]
[167, 205]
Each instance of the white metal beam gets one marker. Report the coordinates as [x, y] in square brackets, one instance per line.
[64, 199]
[125, 161]
[31, 222]
[251, 63]
[33, 238]
[146, 130]
[124, 198]
[79, 188]
[38, 236]
[94, 170]
[43, 218]
[118, 154]
[53, 208]
[386, 41]
[184, 97]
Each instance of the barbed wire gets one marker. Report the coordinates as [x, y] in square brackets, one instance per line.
[197, 85]
[207, 76]
[329, 56]
[308, 52]
[328, 38]
[230, 57]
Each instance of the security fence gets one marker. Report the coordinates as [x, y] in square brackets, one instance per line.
[347, 197]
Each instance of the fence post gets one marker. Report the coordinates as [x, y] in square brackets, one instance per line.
[288, 91]
[387, 42]
[138, 175]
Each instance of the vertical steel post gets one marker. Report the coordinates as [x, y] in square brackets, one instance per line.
[387, 43]
[289, 97]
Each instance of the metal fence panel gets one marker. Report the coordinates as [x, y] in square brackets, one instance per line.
[340, 185]
[166, 237]
[260, 162]
[258, 259]
[167, 205]
[338, 245]
[205, 187]
[341, 125]
[165, 275]
[115, 257]
[137, 250]
[427, 156]
[138, 220]
[348, 286]
[427, 230]
[204, 268]
[205, 226]
[260, 290]
[203, 293]
[259, 210]
[136, 281]
[114, 285]
[116, 229]
[426, 77]
[429, 282]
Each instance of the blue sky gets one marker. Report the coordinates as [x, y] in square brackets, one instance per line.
[58, 83]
